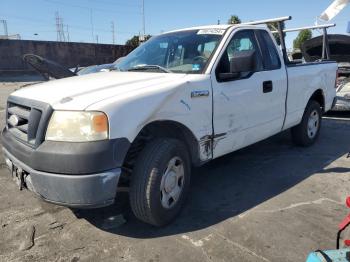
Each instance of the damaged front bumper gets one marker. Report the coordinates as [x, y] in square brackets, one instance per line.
[76, 191]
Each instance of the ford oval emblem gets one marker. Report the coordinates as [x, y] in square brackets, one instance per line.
[13, 120]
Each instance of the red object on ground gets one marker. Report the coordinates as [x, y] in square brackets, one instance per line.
[346, 220]
[344, 223]
[348, 202]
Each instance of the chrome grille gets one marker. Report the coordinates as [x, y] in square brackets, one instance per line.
[27, 120]
[19, 124]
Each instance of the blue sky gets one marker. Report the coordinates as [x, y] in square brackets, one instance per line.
[29, 17]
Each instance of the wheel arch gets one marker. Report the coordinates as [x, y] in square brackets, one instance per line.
[163, 129]
[319, 97]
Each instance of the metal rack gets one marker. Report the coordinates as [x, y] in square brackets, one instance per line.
[325, 46]
[281, 32]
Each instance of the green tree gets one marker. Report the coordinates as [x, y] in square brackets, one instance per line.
[135, 41]
[234, 19]
[303, 36]
[274, 27]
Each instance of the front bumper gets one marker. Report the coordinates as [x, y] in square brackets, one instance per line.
[342, 104]
[80, 175]
[77, 191]
[66, 157]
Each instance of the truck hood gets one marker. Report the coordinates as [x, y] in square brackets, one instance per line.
[46, 67]
[77, 93]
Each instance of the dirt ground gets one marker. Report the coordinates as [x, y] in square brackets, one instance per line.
[269, 202]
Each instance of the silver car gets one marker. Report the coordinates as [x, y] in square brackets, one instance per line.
[343, 91]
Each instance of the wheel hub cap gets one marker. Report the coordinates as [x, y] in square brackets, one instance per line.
[313, 124]
[172, 183]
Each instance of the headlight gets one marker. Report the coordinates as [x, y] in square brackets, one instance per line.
[74, 126]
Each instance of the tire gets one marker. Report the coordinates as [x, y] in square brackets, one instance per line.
[153, 181]
[303, 134]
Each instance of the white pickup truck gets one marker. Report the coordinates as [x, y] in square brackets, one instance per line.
[179, 100]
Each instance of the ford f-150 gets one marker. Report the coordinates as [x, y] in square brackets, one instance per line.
[179, 100]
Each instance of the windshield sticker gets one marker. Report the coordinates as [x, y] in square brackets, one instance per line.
[212, 31]
[196, 67]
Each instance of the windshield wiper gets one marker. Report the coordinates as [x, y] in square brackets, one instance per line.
[146, 67]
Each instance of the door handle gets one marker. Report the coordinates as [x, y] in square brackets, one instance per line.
[199, 93]
[267, 86]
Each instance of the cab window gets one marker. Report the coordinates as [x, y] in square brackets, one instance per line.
[242, 41]
[269, 52]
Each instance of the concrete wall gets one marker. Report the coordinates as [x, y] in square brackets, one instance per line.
[67, 54]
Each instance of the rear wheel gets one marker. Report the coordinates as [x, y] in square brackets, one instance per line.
[307, 132]
[160, 181]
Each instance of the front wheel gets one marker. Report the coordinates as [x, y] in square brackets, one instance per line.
[306, 133]
[160, 181]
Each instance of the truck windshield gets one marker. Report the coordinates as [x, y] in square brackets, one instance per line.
[178, 52]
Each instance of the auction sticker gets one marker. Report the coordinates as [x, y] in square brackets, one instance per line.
[211, 31]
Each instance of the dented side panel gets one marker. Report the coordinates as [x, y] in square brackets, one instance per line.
[243, 112]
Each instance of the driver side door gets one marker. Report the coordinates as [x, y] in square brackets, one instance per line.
[244, 110]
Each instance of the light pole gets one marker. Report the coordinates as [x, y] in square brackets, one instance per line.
[143, 19]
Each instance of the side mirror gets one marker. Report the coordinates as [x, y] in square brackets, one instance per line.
[224, 77]
[242, 62]
[76, 70]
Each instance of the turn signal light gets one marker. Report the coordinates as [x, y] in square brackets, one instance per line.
[100, 123]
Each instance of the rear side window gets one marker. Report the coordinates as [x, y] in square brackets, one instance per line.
[271, 59]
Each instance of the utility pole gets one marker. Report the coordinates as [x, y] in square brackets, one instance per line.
[92, 26]
[67, 30]
[113, 32]
[57, 18]
[4, 23]
[61, 36]
[62, 30]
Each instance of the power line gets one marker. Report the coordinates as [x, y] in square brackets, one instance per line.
[43, 23]
[63, 32]
[88, 8]
[115, 3]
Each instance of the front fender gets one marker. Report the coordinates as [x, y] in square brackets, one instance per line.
[130, 112]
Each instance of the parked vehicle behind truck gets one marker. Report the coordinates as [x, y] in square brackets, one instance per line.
[339, 46]
[180, 100]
